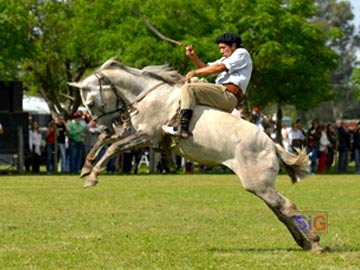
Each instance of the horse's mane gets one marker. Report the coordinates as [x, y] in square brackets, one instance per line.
[159, 72]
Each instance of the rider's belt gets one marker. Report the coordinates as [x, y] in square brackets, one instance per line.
[235, 90]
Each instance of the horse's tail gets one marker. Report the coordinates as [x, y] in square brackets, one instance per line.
[296, 165]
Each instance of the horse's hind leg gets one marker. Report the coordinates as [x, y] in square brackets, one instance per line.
[286, 212]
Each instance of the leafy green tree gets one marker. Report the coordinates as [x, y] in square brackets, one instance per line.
[355, 83]
[15, 36]
[335, 19]
[71, 38]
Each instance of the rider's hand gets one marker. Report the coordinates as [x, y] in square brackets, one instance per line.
[190, 74]
[189, 51]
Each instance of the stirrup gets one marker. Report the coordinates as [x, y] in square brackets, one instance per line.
[175, 131]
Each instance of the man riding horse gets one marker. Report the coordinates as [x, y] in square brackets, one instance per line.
[234, 72]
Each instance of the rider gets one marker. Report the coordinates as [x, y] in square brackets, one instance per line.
[234, 72]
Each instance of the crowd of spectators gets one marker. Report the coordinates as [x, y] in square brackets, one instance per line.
[328, 144]
[63, 145]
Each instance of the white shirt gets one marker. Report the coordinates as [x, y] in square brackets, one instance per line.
[35, 140]
[239, 68]
[324, 142]
[295, 134]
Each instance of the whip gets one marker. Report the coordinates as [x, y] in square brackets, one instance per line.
[153, 29]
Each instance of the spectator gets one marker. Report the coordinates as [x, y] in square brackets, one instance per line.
[35, 140]
[76, 136]
[61, 142]
[285, 136]
[313, 142]
[323, 149]
[267, 126]
[356, 148]
[91, 137]
[296, 136]
[257, 118]
[332, 137]
[85, 119]
[28, 155]
[344, 144]
[1, 129]
[51, 133]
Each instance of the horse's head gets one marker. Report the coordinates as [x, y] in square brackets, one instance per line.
[114, 89]
[100, 98]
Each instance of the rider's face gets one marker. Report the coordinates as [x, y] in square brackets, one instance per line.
[227, 50]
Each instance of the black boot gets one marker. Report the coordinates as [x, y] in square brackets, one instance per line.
[183, 130]
[184, 122]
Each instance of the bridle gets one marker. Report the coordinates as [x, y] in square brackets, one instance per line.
[122, 107]
[120, 103]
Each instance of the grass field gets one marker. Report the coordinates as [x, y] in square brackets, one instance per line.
[169, 222]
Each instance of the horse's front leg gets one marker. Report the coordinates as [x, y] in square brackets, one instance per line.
[103, 139]
[91, 156]
[132, 141]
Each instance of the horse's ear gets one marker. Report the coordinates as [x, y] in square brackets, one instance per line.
[75, 84]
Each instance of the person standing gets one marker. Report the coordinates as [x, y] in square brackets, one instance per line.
[323, 149]
[61, 142]
[296, 137]
[76, 136]
[344, 144]
[285, 136]
[91, 136]
[51, 134]
[35, 140]
[234, 72]
[332, 136]
[313, 143]
[356, 146]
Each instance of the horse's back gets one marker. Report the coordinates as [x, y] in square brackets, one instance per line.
[218, 136]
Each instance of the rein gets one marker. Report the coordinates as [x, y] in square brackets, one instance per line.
[122, 106]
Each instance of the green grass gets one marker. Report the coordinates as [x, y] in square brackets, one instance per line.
[169, 222]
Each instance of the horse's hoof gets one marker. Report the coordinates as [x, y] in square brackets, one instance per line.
[316, 248]
[85, 171]
[90, 183]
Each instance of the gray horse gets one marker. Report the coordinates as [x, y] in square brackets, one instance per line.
[147, 99]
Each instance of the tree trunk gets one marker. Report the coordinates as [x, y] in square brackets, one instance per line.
[279, 116]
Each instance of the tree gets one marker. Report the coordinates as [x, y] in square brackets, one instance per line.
[335, 19]
[15, 22]
[291, 61]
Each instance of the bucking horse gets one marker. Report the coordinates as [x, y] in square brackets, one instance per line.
[146, 99]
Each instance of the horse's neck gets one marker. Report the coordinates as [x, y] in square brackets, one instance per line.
[132, 87]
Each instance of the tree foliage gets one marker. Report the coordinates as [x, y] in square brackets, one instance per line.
[15, 36]
[335, 19]
[61, 41]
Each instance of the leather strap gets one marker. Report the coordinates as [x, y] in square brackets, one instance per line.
[235, 90]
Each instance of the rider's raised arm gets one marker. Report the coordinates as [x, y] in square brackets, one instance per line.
[190, 52]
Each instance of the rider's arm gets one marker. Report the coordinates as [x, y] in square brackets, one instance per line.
[190, 52]
[197, 62]
[207, 70]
